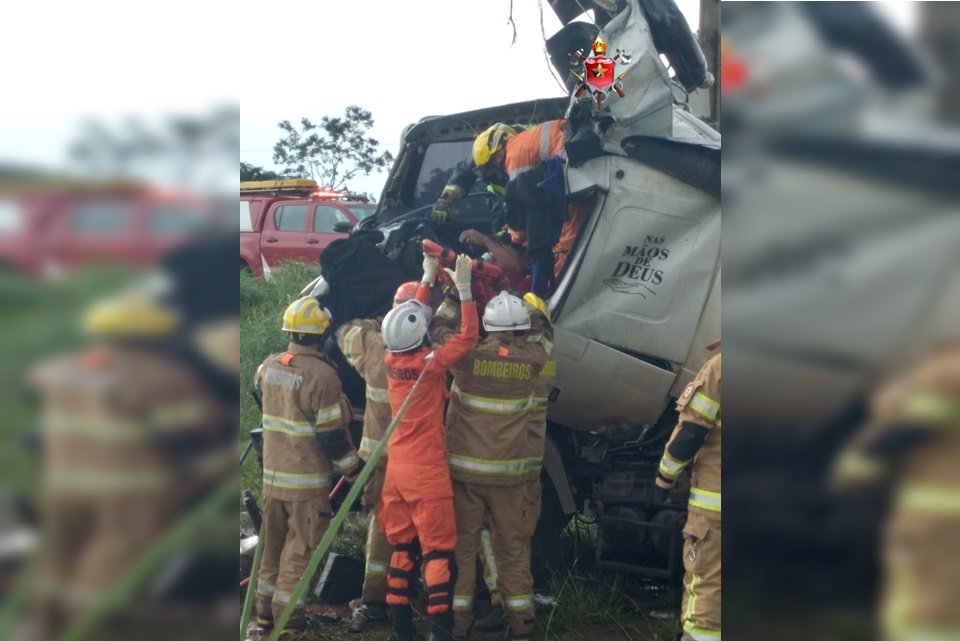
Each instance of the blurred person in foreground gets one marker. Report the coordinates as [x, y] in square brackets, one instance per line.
[136, 430]
[306, 420]
[911, 442]
[696, 442]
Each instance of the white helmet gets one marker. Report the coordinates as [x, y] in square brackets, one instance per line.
[405, 326]
[505, 312]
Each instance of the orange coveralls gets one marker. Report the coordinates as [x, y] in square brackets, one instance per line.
[417, 497]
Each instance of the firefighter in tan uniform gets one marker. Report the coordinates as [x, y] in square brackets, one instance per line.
[490, 462]
[913, 436]
[115, 474]
[696, 442]
[540, 331]
[305, 438]
[135, 429]
[362, 345]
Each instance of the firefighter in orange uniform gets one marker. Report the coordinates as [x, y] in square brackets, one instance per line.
[362, 346]
[306, 437]
[416, 504]
[696, 442]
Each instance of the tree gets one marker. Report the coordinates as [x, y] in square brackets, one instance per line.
[332, 152]
[256, 172]
[189, 148]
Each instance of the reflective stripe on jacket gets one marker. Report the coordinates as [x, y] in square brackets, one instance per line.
[362, 346]
[302, 400]
[532, 146]
[699, 404]
[537, 412]
[488, 420]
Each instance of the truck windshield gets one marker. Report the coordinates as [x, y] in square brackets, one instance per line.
[440, 162]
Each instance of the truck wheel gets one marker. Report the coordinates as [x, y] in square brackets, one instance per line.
[546, 554]
[244, 267]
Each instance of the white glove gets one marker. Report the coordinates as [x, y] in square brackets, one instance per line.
[430, 266]
[461, 277]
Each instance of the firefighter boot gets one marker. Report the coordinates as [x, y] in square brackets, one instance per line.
[364, 613]
[441, 628]
[493, 621]
[402, 616]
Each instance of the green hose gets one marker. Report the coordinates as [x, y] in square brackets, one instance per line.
[341, 515]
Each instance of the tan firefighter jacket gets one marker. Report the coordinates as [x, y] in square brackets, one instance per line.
[913, 437]
[488, 419]
[699, 404]
[306, 420]
[108, 414]
[362, 345]
[537, 412]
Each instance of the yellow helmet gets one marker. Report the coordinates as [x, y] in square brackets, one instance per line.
[489, 142]
[130, 316]
[305, 316]
[537, 303]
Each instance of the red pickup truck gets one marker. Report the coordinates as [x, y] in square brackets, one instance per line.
[292, 220]
[48, 230]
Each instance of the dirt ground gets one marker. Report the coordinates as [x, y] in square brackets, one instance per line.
[628, 627]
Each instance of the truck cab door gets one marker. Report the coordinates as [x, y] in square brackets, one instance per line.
[628, 310]
[320, 233]
[285, 234]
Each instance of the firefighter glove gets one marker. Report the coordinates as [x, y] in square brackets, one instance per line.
[430, 265]
[461, 276]
[441, 212]
[354, 472]
[660, 494]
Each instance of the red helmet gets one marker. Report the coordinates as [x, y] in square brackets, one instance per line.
[406, 291]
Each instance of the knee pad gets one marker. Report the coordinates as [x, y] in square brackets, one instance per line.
[439, 587]
[402, 572]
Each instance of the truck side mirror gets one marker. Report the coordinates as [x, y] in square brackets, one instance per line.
[343, 227]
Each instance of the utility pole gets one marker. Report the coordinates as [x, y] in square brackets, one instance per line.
[710, 43]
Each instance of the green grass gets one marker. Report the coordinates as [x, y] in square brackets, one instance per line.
[617, 603]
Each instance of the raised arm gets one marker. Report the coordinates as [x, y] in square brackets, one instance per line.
[459, 344]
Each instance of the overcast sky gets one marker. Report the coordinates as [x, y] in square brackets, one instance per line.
[409, 60]
[402, 60]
